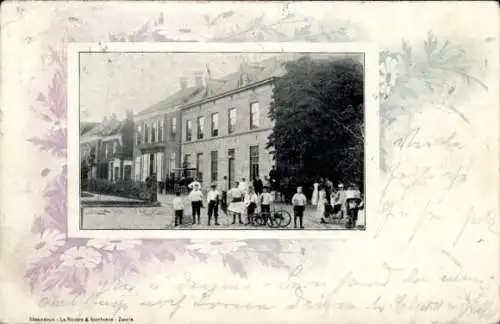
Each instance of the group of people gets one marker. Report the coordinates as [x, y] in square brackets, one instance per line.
[342, 203]
[241, 199]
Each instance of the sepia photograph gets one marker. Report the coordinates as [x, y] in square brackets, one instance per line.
[221, 140]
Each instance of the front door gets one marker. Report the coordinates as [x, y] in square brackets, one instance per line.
[151, 164]
[230, 171]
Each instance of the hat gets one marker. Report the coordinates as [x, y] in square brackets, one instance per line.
[341, 185]
[213, 185]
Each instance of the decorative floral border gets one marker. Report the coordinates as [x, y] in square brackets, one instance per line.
[437, 69]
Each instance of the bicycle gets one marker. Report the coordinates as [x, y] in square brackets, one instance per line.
[274, 219]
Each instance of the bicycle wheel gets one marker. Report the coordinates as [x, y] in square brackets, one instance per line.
[283, 217]
[274, 220]
[258, 220]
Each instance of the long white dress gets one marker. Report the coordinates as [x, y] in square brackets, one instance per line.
[236, 206]
[315, 194]
[320, 206]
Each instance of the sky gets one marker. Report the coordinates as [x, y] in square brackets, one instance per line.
[112, 83]
[116, 82]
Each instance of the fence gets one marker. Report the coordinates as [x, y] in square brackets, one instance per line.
[121, 188]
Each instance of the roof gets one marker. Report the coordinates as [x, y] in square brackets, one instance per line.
[106, 128]
[87, 126]
[178, 98]
[248, 73]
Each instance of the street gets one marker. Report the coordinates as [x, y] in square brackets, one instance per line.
[163, 218]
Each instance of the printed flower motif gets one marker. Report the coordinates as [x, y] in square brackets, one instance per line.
[388, 76]
[81, 257]
[215, 247]
[47, 243]
[113, 245]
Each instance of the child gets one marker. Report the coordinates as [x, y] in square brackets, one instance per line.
[213, 198]
[196, 197]
[299, 202]
[265, 201]
[251, 200]
[178, 208]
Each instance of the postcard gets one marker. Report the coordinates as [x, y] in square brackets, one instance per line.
[243, 162]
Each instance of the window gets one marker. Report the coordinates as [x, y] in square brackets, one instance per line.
[213, 166]
[173, 127]
[172, 162]
[106, 150]
[138, 135]
[153, 132]
[231, 121]
[146, 133]
[160, 131]
[199, 166]
[188, 130]
[137, 168]
[254, 115]
[159, 166]
[215, 124]
[201, 122]
[254, 162]
[115, 147]
[187, 161]
[231, 166]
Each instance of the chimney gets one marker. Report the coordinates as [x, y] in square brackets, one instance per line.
[104, 119]
[183, 83]
[113, 116]
[198, 79]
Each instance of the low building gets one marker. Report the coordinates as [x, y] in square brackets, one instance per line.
[108, 149]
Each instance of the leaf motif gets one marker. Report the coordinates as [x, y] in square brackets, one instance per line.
[207, 19]
[234, 264]
[143, 29]
[55, 142]
[45, 172]
[227, 14]
[157, 37]
[40, 97]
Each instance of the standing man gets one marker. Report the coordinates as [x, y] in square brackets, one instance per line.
[224, 188]
[196, 198]
[258, 185]
[341, 200]
[299, 202]
[353, 203]
[213, 198]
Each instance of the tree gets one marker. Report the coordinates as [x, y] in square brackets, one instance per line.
[317, 109]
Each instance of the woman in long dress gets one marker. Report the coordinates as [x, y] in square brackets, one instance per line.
[315, 194]
[236, 207]
[320, 206]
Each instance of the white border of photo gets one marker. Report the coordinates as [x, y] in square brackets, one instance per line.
[372, 152]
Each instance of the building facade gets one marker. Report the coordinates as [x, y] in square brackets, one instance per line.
[107, 149]
[157, 148]
[221, 126]
[226, 135]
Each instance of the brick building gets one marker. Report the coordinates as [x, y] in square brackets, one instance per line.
[157, 146]
[108, 147]
[225, 133]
